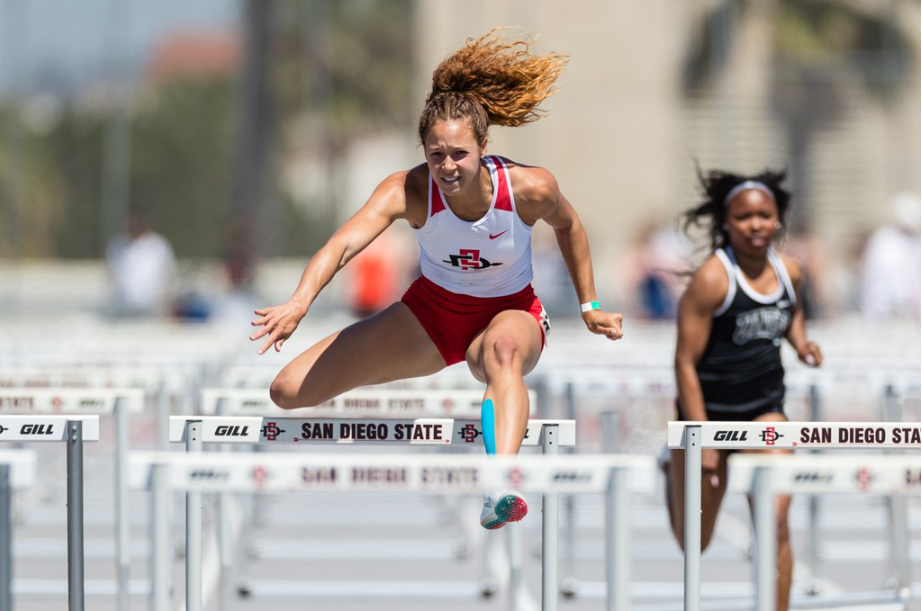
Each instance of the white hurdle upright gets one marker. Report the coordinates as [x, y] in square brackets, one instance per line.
[17, 471]
[464, 474]
[97, 401]
[73, 430]
[695, 436]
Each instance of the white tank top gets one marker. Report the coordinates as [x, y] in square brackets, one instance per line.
[489, 257]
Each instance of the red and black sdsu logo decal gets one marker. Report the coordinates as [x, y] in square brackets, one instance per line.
[469, 259]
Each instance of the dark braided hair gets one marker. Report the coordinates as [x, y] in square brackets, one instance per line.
[715, 185]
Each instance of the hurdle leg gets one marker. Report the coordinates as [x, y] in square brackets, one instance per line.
[693, 518]
[161, 574]
[122, 532]
[225, 536]
[514, 541]
[75, 557]
[766, 553]
[6, 540]
[896, 511]
[193, 527]
[813, 558]
[569, 585]
[549, 524]
[617, 534]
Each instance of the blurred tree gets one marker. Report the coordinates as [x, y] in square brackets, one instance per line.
[31, 190]
[206, 157]
[180, 164]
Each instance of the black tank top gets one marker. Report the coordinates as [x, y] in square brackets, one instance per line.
[741, 369]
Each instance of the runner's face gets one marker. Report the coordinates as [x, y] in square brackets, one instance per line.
[453, 155]
[752, 222]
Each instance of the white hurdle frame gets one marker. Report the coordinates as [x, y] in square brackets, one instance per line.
[550, 434]
[74, 430]
[766, 476]
[364, 401]
[549, 475]
[17, 471]
[97, 401]
[695, 436]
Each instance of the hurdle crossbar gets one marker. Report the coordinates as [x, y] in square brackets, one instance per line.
[366, 431]
[695, 436]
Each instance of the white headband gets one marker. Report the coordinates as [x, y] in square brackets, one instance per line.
[745, 186]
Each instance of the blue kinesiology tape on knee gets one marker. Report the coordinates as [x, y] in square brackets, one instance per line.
[486, 423]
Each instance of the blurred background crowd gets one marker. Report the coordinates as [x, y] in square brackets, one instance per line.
[183, 160]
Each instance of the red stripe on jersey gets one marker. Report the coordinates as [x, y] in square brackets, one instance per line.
[503, 202]
[436, 204]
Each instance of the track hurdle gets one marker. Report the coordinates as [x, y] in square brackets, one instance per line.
[17, 471]
[766, 476]
[695, 436]
[97, 401]
[432, 432]
[367, 401]
[74, 430]
[548, 475]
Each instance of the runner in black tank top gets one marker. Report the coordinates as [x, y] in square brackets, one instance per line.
[737, 308]
[740, 372]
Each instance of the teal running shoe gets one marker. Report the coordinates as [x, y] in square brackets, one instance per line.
[498, 509]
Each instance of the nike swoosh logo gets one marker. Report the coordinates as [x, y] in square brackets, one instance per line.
[493, 237]
[783, 303]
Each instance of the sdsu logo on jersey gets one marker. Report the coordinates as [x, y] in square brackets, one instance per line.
[469, 259]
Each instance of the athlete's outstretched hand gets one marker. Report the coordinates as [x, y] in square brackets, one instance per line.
[278, 322]
[603, 323]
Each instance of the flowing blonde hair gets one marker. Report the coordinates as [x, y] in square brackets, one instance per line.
[491, 82]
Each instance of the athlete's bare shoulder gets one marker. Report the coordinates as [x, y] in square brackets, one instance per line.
[535, 188]
[416, 190]
[709, 285]
[794, 269]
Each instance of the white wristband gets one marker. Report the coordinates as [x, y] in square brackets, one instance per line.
[589, 306]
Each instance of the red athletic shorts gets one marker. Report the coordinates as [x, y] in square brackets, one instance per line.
[452, 320]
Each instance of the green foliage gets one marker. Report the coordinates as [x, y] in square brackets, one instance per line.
[343, 67]
[350, 60]
[181, 145]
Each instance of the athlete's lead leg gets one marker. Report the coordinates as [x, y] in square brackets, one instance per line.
[500, 356]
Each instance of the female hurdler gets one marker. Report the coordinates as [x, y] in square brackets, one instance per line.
[473, 215]
[739, 306]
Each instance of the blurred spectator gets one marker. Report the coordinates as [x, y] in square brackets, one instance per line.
[142, 268]
[891, 271]
[654, 268]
